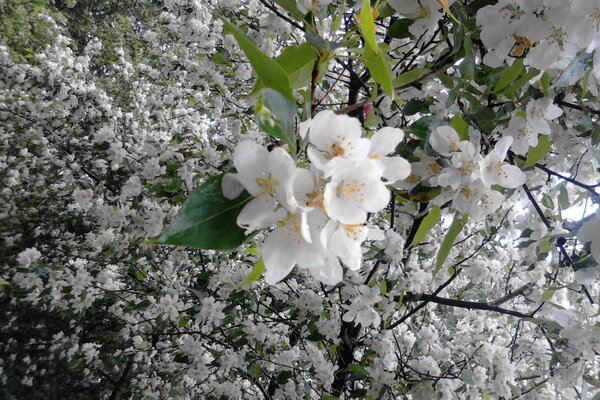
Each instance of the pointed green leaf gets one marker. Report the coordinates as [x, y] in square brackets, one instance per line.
[409, 77]
[268, 71]
[275, 114]
[298, 62]
[379, 66]
[255, 274]
[207, 220]
[509, 75]
[457, 225]
[537, 153]
[427, 224]
[367, 26]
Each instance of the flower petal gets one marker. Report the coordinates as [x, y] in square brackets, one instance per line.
[385, 140]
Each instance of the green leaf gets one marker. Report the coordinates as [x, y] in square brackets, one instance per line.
[367, 26]
[427, 224]
[596, 136]
[379, 66]
[457, 225]
[545, 83]
[290, 7]
[421, 127]
[207, 220]
[424, 194]
[460, 126]
[275, 114]
[467, 67]
[409, 77]
[255, 274]
[297, 61]
[383, 288]
[268, 71]
[329, 398]
[563, 198]
[548, 294]
[183, 321]
[509, 75]
[357, 371]
[538, 152]
[399, 29]
[519, 83]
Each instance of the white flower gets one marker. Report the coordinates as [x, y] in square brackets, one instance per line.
[344, 242]
[464, 168]
[384, 142]
[332, 136]
[355, 190]
[494, 171]
[444, 140]
[28, 257]
[296, 242]
[539, 112]
[268, 176]
[523, 135]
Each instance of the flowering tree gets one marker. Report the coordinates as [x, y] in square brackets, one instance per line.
[299, 199]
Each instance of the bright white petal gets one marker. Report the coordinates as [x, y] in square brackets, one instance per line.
[444, 140]
[283, 170]
[385, 140]
[329, 272]
[396, 168]
[278, 261]
[250, 160]
[257, 214]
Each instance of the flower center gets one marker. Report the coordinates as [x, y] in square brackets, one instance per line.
[424, 12]
[336, 150]
[351, 190]
[466, 168]
[467, 192]
[267, 185]
[316, 200]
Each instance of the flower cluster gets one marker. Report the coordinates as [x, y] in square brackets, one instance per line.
[465, 176]
[320, 211]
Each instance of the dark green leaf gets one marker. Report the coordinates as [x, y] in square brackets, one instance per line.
[207, 220]
[421, 127]
[399, 29]
[423, 193]
[268, 71]
[509, 75]
[457, 225]
[409, 77]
